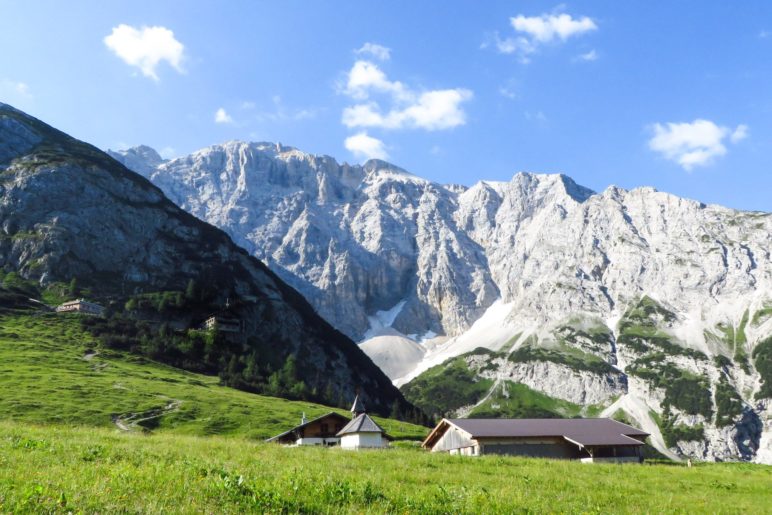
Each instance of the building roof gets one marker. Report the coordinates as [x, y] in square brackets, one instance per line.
[79, 301]
[358, 406]
[585, 432]
[301, 426]
[361, 424]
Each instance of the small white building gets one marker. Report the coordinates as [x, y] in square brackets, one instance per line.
[362, 432]
[81, 306]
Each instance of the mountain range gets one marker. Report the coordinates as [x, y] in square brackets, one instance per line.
[69, 213]
[635, 304]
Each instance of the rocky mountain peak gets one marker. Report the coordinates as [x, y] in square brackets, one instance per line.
[137, 158]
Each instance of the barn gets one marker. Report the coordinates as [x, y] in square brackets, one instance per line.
[586, 439]
[319, 431]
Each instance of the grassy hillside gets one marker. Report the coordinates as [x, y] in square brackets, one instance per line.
[51, 371]
[445, 388]
[55, 469]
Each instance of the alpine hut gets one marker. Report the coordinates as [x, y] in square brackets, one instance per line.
[319, 431]
[362, 432]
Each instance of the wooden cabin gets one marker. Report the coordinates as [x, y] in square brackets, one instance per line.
[319, 431]
[589, 440]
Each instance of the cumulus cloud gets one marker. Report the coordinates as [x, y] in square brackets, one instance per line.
[698, 143]
[222, 116]
[432, 110]
[429, 110]
[367, 147]
[380, 52]
[382, 103]
[146, 47]
[365, 77]
[531, 32]
[548, 27]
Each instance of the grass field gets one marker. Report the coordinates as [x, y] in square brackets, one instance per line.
[195, 446]
[50, 374]
[59, 469]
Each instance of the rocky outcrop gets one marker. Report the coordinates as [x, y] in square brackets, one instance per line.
[560, 381]
[67, 210]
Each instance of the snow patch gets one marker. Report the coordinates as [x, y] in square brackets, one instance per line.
[382, 320]
[491, 331]
[394, 353]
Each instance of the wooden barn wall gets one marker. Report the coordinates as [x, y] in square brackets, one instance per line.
[452, 439]
[561, 450]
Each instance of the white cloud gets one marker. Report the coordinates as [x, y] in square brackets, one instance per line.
[380, 52]
[146, 47]
[521, 46]
[693, 144]
[739, 134]
[222, 116]
[433, 110]
[548, 27]
[382, 103]
[366, 76]
[592, 55]
[14, 88]
[364, 146]
[439, 109]
[429, 110]
[534, 31]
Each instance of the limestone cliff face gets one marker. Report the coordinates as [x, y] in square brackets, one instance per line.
[68, 210]
[535, 262]
[353, 239]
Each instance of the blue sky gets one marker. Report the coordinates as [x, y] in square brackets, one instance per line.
[674, 95]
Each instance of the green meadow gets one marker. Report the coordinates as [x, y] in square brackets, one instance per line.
[188, 444]
[56, 469]
[51, 371]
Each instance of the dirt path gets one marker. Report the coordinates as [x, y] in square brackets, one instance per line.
[133, 421]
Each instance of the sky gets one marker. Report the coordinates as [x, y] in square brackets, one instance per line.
[674, 95]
